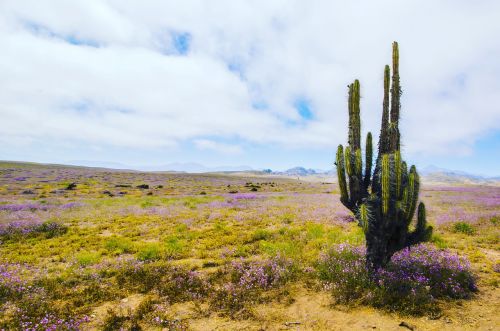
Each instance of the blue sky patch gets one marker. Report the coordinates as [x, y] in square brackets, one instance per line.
[303, 107]
[181, 42]
[43, 31]
[260, 105]
[236, 66]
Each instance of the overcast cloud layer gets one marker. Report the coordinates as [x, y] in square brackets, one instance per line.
[221, 76]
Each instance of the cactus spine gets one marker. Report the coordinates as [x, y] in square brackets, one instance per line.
[384, 202]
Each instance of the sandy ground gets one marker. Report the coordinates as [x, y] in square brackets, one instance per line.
[313, 311]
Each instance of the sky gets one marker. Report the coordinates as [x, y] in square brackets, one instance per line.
[255, 83]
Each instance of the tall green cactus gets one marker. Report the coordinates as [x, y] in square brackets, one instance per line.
[383, 203]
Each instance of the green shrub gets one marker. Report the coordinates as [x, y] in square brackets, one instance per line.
[174, 247]
[140, 276]
[149, 252]
[88, 258]
[260, 234]
[119, 245]
[439, 241]
[462, 227]
[114, 321]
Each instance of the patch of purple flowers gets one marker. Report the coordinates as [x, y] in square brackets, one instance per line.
[50, 322]
[24, 207]
[413, 279]
[445, 274]
[259, 274]
[71, 205]
[18, 229]
[343, 271]
[11, 282]
[247, 280]
[244, 196]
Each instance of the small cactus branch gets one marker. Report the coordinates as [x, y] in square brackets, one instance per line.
[368, 162]
[413, 190]
[421, 219]
[344, 197]
[358, 163]
[354, 117]
[422, 232]
[385, 178]
[384, 133]
[348, 161]
[395, 100]
[397, 173]
[364, 217]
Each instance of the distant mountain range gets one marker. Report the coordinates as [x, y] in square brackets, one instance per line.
[436, 174]
[301, 171]
[429, 173]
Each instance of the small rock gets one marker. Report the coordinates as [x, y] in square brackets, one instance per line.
[71, 187]
[143, 186]
[292, 323]
[407, 325]
[435, 316]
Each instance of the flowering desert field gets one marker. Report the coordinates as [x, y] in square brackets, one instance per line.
[88, 248]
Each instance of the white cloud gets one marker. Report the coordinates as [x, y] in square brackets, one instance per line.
[129, 93]
[205, 144]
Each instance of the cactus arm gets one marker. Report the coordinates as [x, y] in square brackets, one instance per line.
[348, 161]
[404, 201]
[413, 189]
[395, 100]
[364, 217]
[404, 173]
[385, 179]
[421, 219]
[355, 137]
[344, 197]
[397, 173]
[358, 162]
[368, 161]
[384, 134]
[422, 232]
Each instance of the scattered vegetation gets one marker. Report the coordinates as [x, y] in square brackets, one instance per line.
[412, 281]
[81, 259]
[463, 227]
